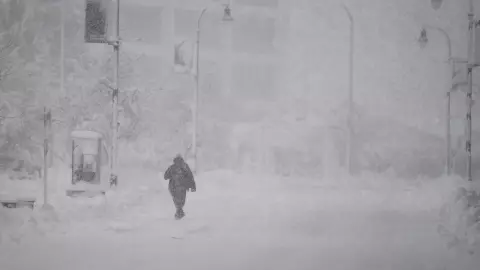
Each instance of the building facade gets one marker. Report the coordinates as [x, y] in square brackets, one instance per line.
[242, 57]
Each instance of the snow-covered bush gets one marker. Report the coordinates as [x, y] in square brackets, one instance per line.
[460, 217]
[19, 223]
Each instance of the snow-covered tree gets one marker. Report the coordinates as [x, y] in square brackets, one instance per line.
[26, 72]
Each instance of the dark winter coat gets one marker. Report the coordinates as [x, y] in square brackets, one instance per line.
[180, 175]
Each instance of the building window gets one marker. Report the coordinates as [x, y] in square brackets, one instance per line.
[254, 34]
[185, 22]
[141, 23]
[151, 69]
[258, 3]
[254, 80]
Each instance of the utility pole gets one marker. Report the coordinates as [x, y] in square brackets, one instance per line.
[96, 30]
[116, 48]
[472, 24]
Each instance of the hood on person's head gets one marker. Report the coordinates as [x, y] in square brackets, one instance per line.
[178, 159]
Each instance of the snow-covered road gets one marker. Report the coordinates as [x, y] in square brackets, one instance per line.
[234, 231]
[334, 241]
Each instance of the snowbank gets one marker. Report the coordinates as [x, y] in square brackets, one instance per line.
[460, 217]
[18, 223]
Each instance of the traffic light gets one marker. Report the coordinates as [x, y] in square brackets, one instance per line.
[96, 21]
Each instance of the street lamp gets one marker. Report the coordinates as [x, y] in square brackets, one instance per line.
[471, 63]
[350, 118]
[227, 17]
[423, 40]
[227, 14]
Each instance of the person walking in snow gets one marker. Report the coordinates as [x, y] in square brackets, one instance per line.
[181, 180]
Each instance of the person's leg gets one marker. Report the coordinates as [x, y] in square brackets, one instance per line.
[182, 198]
[180, 194]
[173, 193]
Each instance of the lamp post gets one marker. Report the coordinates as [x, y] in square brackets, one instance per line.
[350, 113]
[423, 40]
[350, 92]
[227, 16]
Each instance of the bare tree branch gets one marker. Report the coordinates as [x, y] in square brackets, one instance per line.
[106, 84]
[5, 72]
[9, 44]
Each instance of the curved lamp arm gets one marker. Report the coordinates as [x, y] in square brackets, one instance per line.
[349, 14]
[200, 17]
[445, 35]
